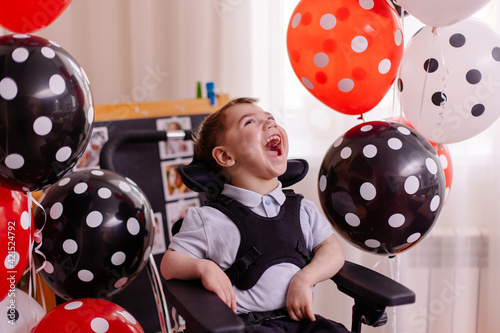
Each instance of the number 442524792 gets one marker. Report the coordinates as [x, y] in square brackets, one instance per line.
[11, 244]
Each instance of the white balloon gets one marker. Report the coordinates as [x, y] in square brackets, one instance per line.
[449, 84]
[19, 312]
[440, 13]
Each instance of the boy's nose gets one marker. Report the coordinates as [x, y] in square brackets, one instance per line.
[269, 124]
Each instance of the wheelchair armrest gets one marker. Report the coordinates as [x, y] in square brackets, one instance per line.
[202, 310]
[370, 287]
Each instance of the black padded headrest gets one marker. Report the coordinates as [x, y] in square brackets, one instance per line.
[200, 178]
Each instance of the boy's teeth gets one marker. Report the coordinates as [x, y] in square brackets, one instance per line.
[275, 138]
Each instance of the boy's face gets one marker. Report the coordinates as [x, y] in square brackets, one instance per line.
[257, 145]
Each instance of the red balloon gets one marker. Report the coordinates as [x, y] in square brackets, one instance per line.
[15, 232]
[445, 159]
[346, 53]
[88, 315]
[27, 16]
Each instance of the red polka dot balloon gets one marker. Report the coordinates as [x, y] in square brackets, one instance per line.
[88, 315]
[382, 186]
[15, 234]
[346, 53]
[27, 16]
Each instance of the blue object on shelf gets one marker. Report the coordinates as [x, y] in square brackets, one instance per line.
[210, 92]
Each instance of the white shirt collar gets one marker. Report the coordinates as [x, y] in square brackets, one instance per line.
[252, 199]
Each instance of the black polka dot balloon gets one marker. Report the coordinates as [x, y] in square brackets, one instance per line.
[46, 112]
[449, 81]
[97, 234]
[382, 186]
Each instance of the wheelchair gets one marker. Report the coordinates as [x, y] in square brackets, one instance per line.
[202, 310]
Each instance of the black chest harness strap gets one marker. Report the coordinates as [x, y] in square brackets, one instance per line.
[264, 241]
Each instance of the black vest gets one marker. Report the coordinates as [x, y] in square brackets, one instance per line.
[264, 241]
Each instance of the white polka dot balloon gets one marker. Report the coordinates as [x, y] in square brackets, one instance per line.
[443, 12]
[19, 312]
[345, 52]
[46, 112]
[97, 235]
[88, 315]
[449, 80]
[385, 195]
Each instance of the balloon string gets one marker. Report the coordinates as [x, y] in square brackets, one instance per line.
[398, 76]
[30, 255]
[376, 264]
[395, 267]
[422, 97]
[38, 283]
[400, 104]
[402, 20]
[31, 288]
[443, 83]
[38, 236]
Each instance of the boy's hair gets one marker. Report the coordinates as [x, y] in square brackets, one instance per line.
[212, 130]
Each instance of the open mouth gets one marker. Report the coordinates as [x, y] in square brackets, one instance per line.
[272, 145]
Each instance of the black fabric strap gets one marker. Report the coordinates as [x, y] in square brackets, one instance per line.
[240, 265]
[256, 318]
[304, 251]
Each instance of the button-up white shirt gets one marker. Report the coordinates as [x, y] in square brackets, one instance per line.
[207, 233]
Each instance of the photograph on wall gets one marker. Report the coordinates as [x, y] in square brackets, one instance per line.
[173, 187]
[174, 148]
[159, 243]
[90, 157]
[177, 210]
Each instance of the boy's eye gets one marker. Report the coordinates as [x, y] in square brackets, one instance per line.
[249, 121]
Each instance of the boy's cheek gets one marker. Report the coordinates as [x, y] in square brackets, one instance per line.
[246, 150]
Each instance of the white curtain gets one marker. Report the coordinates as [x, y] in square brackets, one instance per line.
[158, 49]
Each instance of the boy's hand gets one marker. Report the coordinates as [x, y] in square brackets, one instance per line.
[299, 299]
[178, 265]
[327, 261]
[215, 280]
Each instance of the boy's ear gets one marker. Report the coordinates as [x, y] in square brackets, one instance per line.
[222, 157]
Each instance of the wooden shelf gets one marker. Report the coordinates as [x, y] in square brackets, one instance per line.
[166, 108]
